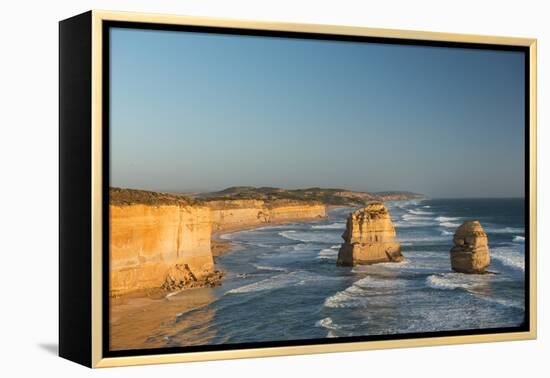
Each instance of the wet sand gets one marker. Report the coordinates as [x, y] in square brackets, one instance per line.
[139, 322]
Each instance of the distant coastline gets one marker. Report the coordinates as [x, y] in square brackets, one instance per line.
[327, 196]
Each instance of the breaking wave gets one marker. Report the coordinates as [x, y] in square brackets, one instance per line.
[332, 226]
[420, 212]
[413, 217]
[308, 237]
[328, 254]
[449, 224]
[277, 282]
[452, 281]
[473, 284]
[355, 296]
[327, 323]
[447, 219]
[504, 230]
[509, 258]
[271, 268]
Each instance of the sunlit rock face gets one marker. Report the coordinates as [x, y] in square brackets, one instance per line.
[470, 253]
[369, 238]
[168, 246]
[148, 243]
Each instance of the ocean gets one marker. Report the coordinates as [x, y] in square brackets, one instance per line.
[282, 282]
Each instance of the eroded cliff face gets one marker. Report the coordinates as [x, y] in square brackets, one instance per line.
[470, 253]
[237, 214]
[168, 246]
[156, 246]
[369, 237]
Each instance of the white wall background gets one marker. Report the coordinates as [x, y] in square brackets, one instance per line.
[28, 158]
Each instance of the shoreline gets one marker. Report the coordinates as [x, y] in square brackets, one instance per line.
[220, 246]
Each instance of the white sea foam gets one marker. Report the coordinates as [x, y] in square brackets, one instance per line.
[274, 227]
[296, 247]
[305, 236]
[332, 226]
[509, 257]
[449, 224]
[473, 283]
[447, 219]
[328, 254]
[403, 204]
[504, 230]
[452, 281]
[370, 282]
[277, 282]
[414, 217]
[400, 224]
[355, 296]
[446, 233]
[346, 299]
[327, 323]
[427, 207]
[271, 268]
[420, 212]
[387, 265]
[519, 239]
[505, 302]
[409, 220]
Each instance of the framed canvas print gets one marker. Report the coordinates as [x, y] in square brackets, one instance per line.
[234, 189]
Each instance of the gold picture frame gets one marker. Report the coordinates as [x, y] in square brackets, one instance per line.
[90, 236]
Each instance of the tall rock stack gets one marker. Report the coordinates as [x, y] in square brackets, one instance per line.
[470, 253]
[369, 238]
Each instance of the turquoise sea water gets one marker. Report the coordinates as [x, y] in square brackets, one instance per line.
[282, 282]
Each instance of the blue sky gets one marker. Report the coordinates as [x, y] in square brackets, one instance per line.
[201, 112]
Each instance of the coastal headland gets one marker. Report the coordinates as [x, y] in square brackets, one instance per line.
[165, 242]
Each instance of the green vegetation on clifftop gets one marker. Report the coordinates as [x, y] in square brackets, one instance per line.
[330, 196]
[327, 196]
[126, 197]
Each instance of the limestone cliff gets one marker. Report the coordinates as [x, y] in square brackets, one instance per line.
[161, 240]
[236, 214]
[150, 244]
[470, 253]
[369, 237]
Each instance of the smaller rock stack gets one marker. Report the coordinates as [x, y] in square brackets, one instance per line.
[470, 253]
[369, 237]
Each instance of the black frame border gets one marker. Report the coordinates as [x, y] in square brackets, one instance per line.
[107, 25]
